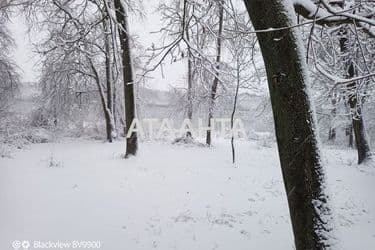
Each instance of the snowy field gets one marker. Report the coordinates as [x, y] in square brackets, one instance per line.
[169, 197]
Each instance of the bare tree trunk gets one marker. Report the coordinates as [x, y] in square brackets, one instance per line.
[349, 133]
[361, 142]
[216, 79]
[107, 113]
[190, 74]
[332, 134]
[109, 79]
[332, 129]
[294, 123]
[190, 91]
[234, 110]
[358, 126]
[114, 97]
[121, 16]
[349, 126]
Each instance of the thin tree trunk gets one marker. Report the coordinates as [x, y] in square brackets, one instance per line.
[114, 98]
[294, 122]
[332, 129]
[107, 113]
[234, 111]
[349, 126]
[332, 134]
[121, 16]
[216, 79]
[349, 133]
[190, 70]
[109, 79]
[190, 91]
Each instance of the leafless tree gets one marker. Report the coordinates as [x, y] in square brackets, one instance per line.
[9, 84]
[288, 82]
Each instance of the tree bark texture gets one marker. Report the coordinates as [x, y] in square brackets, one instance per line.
[216, 78]
[299, 154]
[121, 16]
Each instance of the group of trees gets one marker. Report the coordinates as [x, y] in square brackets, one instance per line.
[289, 83]
[87, 46]
[77, 55]
[9, 77]
[209, 36]
[86, 53]
[342, 52]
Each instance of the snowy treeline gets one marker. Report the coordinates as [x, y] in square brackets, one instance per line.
[301, 70]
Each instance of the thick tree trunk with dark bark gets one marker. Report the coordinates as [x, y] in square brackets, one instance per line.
[361, 142]
[216, 79]
[358, 126]
[294, 123]
[121, 16]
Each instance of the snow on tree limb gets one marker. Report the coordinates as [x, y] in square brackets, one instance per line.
[329, 15]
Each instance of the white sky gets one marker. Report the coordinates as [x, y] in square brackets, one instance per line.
[26, 59]
[23, 55]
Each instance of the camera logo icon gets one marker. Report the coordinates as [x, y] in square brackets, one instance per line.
[25, 244]
[17, 245]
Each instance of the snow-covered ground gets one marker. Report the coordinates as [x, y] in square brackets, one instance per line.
[169, 197]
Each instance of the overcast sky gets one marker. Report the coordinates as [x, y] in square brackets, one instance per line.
[26, 59]
[23, 55]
